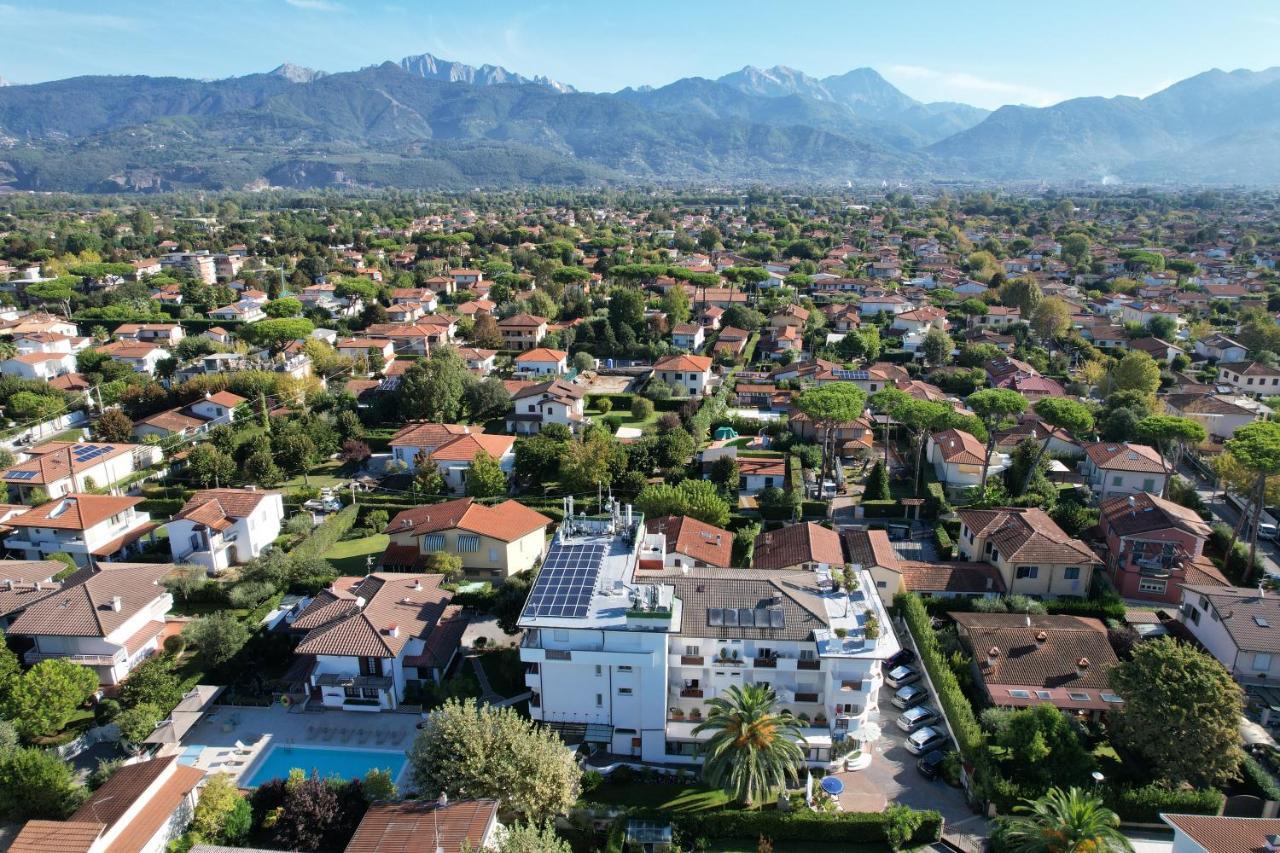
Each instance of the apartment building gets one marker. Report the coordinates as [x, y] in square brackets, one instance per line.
[634, 652]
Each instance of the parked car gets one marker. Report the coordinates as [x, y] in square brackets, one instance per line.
[901, 676]
[930, 764]
[902, 658]
[910, 696]
[917, 717]
[926, 740]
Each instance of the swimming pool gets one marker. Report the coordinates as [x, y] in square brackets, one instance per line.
[325, 761]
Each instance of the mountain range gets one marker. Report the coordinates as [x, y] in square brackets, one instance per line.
[431, 123]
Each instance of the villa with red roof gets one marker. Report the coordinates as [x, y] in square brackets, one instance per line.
[1033, 555]
[690, 372]
[453, 458]
[957, 459]
[1117, 468]
[493, 542]
[541, 361]
[219, 528]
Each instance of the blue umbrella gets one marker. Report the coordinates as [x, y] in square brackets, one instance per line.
[832, 786]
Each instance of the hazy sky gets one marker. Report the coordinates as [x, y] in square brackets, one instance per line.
[987, 52]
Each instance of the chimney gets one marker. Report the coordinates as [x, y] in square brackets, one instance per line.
[1082, 666]
[417, 584]
[117, 603]
[993, 654]
[1042, 638]
[443, 800]
[393, 630]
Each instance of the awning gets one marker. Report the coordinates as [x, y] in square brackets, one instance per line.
[186, 714]
[146, 634]
[121, 541]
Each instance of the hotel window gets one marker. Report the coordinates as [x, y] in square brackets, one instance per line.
[433, 542]
[468, 544]
[693, 651]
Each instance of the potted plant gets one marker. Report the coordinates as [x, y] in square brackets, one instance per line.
[803, 718]
[842, 632]
[695, 714]
[676, 713]
[735, 654]
[820, 719]
[872, 627]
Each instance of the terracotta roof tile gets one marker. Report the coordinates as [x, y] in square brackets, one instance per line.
[1027, 534]
[386, 611]
[1121, 456]
[75, 511]
[796, 544]
[409, 826]
[84, 608]
[1216, 834]
[696, 539]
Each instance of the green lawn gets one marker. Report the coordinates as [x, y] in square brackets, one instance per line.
[660, 796]
[351, 557]
[70, 435]
[327, 473]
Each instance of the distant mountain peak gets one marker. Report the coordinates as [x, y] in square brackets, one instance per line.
[434, 68]
[297, 73]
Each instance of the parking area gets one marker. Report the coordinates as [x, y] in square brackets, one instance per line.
[892, 777]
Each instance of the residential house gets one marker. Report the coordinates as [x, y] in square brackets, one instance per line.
[796, 547]
[871, 550]
[689, 542]
[474, 308]
[543, 362]
[59, 467]
[755, 473]
[957, 458]
[367, 638]
[554, 402]
[1220, 415]
[921, 320]
[731, 342]
[479, 361]
[217, 409]
[164, 334]
[453, 459]
[493, 542]
[443, 825]
[221, 528]
[465, 279]
[109, 619]
[246, 311]
[1215, 834]
[640, 652]
[1161, 351]
[887, 303]
[24, 582]
[42, 366]
[1118, 468]
[1035, 557]
[177, 422]
[48, 342]
[420, 439]
[688, 336]
[1143, 313]
[997, 317]
[143, 357]
[522, 331]
[692, 373]
[1154, 547]
[1240, 627]
[141, 808]
[1219, 347]
[1250, 377]
[87, 527]
[1022, 660]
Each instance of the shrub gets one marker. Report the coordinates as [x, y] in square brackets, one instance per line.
[1145, 804]
[945, 545]
[605, 405]
[1260, 778]
[881, 509]
[247, 595]
[641, 408]
[803, 825]
[174, 645]
[935, 500]
[106, 711]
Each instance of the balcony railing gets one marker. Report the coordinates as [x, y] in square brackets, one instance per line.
[808, 664]
[84, 660]
[691, 693]
[691, 660]
[808, 697]
[768, 663]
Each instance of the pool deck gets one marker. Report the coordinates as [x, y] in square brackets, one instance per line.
[233, 739]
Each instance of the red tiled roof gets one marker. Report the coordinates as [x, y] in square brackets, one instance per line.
[796, 544]
[75, 511]
[695, 539]
[376, 619]
[1120, 456]
[506, 522]
[1220, 834]
[1026, 534]
[409, 826]
[694, 363]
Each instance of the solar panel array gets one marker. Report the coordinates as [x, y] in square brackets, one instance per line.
[20, 475]
[850, 375]
[566, 582]
[745, 617]
[88, 452]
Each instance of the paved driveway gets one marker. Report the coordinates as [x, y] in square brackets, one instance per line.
[892, 777]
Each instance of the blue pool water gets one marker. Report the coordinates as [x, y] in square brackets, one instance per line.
[343, 763]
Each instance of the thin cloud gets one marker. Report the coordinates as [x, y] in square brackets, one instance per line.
[961, 85]
[315, 5]
[52, 18]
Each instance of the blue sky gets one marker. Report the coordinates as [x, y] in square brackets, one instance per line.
[985, 52]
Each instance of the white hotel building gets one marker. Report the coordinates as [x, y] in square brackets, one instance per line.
[634, 650]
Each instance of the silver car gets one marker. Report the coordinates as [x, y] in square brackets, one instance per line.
[926, 740]
[917, 717]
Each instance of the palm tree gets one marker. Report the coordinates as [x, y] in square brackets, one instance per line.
[1070, 821]
[755, 746]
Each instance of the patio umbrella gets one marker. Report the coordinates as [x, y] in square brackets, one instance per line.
[832, 786]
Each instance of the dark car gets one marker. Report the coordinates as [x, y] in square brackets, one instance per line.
[910, 696]
[902, 658]
[902, 676]
[926, 740]
[930, 764]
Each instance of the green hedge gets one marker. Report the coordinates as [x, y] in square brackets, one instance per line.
[945, 545]
[802, 825]
[1104, 610]
[795, 475]
[813, 509]
[881, 509]
[325, 535]
[964, 725]
[1260, 778]
[1145, 804]
[935, 500]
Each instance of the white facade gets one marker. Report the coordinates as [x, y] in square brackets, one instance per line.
[631, 661]
[1207, 615]
[39, 365]
[1106, 483]
[37, 543]
[219, 550]
[108, 656]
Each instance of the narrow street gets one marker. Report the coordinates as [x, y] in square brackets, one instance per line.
[1268, 550]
